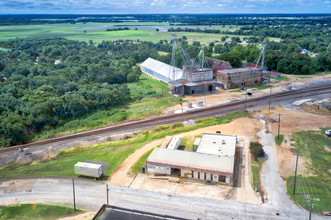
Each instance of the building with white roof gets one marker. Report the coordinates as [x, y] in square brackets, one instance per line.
[213, 161]
[159, 70]
[182, 81]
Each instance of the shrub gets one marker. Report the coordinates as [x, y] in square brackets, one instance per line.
[200, 120]
[177, 125]
[162, 127]
[256, 149]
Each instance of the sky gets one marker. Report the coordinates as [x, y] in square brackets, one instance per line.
[162, 6]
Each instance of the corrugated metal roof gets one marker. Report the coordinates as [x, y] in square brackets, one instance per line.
[223, 145]
[192, 160]
[163, 69]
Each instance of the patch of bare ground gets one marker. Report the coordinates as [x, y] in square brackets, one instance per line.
[82, 216]
[17, 185]
[122, 176]
[293, 121]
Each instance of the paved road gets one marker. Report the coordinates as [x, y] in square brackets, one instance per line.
[91, 195]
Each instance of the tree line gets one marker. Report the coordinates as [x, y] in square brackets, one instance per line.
[45, 82]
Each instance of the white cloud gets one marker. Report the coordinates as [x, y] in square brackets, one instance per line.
[220, 5]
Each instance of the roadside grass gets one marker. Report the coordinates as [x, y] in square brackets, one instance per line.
[315, 146]
[279, 139]
[35, 211]
[114, 152]
[136, 168]
[256, 168]
[152, 96]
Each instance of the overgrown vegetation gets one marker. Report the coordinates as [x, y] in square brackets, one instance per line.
[279, 139]
[315, 146]
[114, 152]
[256, 149]
[35, 211]
[256, 169]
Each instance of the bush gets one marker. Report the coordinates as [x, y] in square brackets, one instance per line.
[256, 149]
[162, 127]
[200, 120]
[177, 125]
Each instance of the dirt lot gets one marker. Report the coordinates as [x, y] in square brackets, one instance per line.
[292, 120]
[122, 175]
[16, 186]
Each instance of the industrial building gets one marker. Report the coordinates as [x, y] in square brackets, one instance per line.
[194, 78]
[213, 159]
[235, 78]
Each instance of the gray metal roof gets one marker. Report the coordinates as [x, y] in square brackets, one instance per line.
[217, 144]
[192, 160]
[160, 70]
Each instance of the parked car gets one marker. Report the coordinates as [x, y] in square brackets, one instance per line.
[328, 132]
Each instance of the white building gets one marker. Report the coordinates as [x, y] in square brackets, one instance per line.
[213, 160]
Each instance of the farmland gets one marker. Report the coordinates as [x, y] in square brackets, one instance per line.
[146, 31]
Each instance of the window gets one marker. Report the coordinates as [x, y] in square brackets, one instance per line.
[205, 176]
[198, 175]
[192, 174]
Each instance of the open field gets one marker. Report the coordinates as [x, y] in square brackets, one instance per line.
[316, 147]
[35, 211]
[97, 33]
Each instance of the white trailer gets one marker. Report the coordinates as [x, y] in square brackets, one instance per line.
[89, 169]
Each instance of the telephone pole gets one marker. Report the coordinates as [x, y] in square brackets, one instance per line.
[296, 169]
[278, 125]
[73, 191]
[270, 100]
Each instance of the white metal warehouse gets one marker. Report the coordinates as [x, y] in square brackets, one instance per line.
[213, 160]
[159, 71]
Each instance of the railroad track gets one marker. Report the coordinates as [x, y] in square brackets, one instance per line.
[220, 109]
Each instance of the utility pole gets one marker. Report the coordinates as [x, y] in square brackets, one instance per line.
[73, 191]
[181, 103]
[278, 125]
[245, 101]
[270, 100]
[107, 189]
[295, 175]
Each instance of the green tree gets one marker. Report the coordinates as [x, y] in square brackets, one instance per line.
[256, 149]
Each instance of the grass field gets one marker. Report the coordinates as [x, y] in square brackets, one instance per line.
[316, 147]
[34, 211]
[97, 33]
[114, 152]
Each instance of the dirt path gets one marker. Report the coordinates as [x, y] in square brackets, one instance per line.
[122, 175]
